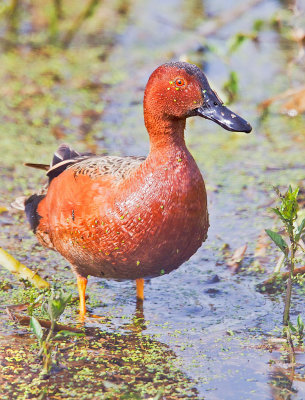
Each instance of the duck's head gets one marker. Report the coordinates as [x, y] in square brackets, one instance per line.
[179, 90]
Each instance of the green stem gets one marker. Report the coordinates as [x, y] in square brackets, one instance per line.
[290, 344]
[47, 338]
[50, 331]
[289, 283]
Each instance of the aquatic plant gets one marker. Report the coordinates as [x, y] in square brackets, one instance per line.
[54, 307]
[287, 212]
[298, 330]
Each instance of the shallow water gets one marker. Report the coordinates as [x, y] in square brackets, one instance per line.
[225, 367]
[217, 324]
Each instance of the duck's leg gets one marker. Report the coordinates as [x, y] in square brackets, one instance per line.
[140, 289]
[81, 284]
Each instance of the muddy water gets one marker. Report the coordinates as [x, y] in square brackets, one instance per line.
[217, 324]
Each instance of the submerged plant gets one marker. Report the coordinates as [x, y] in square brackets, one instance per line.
[287, 212]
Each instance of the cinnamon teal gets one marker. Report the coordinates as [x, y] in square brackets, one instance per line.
[134, 217]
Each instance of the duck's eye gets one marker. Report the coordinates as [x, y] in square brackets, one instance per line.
[179, 82]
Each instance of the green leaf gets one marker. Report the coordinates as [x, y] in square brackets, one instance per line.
[300, 323]
[36, 328]
[67, 333]
[291, 327]
[278, 212]
[258, 25]
[278, 240]
[289, 206]
[300, 230]
[56, 305]
[231, 86]
[237, 41]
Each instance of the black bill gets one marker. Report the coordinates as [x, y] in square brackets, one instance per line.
[214, 110]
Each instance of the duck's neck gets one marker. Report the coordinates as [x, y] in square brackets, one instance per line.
[165, 135]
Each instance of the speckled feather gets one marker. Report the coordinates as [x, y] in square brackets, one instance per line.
[125, 228]
[132, 217]
[97, 166]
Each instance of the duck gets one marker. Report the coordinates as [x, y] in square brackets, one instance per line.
[133, 218]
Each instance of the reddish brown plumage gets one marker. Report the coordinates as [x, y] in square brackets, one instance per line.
[130, 218]
[147, 223]
[138, 227]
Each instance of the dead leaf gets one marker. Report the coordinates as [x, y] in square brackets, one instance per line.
[297, 34]
[269, 283]
[58, 132]
[263, 243]
[295, 105]
[295, 101]
[237, 257]
[260, 252]
[17, 307]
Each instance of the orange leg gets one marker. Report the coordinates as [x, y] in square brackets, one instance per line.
[81, 284]
[140, 289]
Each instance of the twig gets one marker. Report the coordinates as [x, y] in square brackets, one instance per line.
[25, 320]
[13, 265]
[87, 12]
[284, 276]
[290, 92]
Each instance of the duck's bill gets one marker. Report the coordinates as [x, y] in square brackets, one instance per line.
[214, 110]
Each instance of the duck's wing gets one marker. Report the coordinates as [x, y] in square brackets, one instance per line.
[90, 164]
[82, 164]
[97, 166]
[87, 163]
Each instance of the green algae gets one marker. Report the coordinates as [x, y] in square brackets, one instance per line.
[108, 365]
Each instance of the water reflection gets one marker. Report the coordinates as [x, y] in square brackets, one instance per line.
[285, 374]
[281, 382]
[138, 324]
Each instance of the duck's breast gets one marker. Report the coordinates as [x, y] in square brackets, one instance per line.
[145, 225]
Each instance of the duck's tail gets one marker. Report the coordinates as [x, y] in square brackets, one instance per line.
[18, 203]
[62, 158]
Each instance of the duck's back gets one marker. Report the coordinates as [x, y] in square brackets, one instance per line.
[102, 166]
